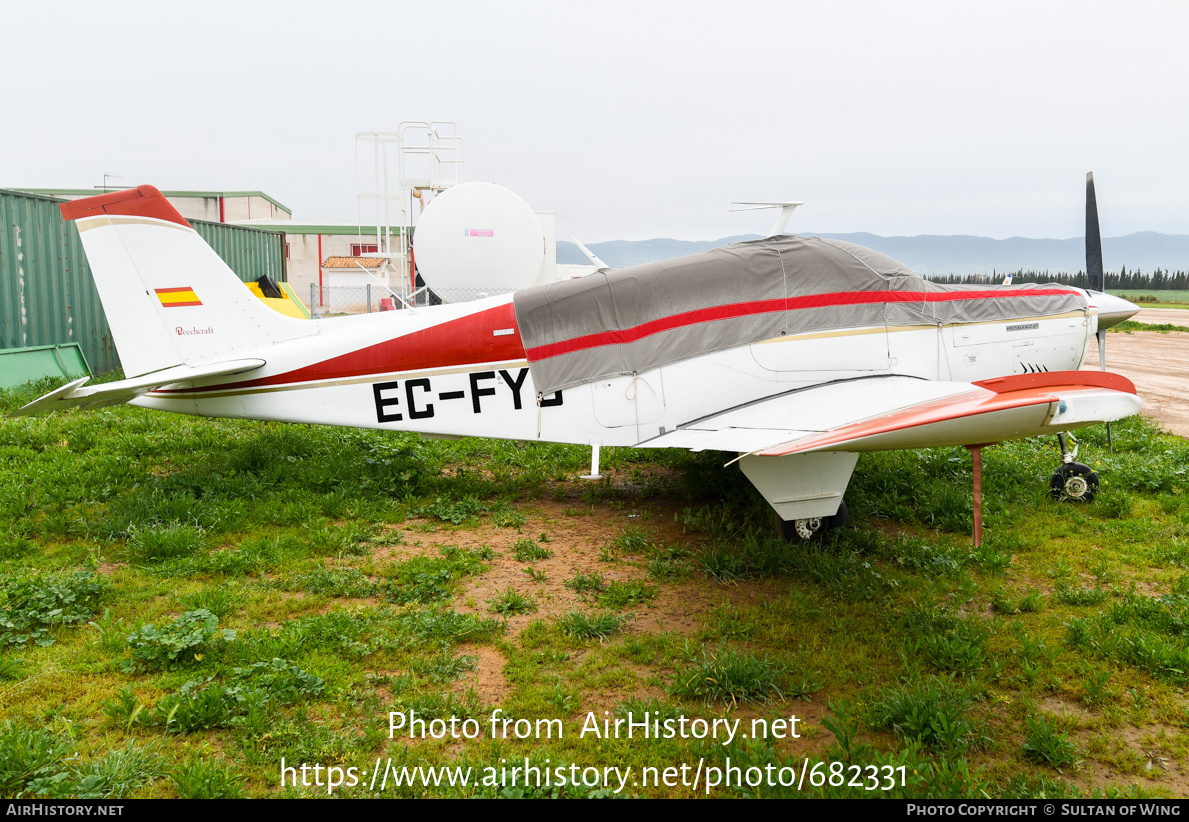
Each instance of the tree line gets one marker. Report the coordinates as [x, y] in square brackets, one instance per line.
[1121, 280]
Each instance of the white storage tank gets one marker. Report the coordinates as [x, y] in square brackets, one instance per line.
[477, 240]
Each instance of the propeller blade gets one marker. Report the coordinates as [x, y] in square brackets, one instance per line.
[1094, 274]
[1096, 279]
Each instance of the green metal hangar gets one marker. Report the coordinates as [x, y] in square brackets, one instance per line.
[48, 301]
[317, 255]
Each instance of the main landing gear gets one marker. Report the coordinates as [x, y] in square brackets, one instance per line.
[812, 528]
[1072, 481]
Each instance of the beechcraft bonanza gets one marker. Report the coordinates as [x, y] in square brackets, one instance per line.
[795, 353]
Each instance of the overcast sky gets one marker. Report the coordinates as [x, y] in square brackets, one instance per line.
[631, 120]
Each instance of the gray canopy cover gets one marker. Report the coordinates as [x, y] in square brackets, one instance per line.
[631, 320]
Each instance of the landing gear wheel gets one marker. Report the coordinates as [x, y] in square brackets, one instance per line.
[811, 528]
[1073, 482]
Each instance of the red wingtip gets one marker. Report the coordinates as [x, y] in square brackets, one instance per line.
[142, 201]
[1052, 379]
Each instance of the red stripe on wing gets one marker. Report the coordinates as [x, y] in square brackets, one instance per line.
[1014, 391]
[1059, 379]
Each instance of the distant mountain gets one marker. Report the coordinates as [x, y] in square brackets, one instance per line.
[930, 254]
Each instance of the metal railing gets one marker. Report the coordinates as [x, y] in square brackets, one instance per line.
[337, 300]
[330, 300]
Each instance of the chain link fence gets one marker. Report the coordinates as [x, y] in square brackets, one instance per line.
[336, 300]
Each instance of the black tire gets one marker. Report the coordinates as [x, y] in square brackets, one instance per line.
[813, 528]
[1073, 482]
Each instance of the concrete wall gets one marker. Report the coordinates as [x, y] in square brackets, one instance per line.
[304, 262]
[197, 208]
[239, 209]
[200, 205]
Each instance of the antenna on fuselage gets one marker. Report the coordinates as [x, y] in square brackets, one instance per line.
[782, 219]
[590, 255]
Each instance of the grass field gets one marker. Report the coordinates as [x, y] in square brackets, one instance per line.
[1155, 298]
[185, 603]
[1128, 326]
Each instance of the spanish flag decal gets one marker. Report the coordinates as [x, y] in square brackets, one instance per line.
[177, 297]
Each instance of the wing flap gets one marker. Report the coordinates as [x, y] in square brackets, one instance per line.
[726, 439]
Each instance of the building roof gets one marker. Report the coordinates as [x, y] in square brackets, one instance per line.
[354, 262]
[324, 227]
[91, 192]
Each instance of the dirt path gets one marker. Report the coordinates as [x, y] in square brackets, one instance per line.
[1158, 364]
[1156, 316]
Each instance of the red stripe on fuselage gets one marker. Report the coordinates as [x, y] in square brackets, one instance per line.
[735, 310]
[466, 340]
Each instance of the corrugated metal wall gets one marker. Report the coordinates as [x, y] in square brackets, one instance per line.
[47, 295]
[46, 292]
[251, 252]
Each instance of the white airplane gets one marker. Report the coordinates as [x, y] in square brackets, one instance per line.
[796, 353]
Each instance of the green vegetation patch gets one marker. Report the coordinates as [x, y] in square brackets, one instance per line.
[181, 642]
[529, 550]
[728, 675]
[510, 603]
[935, 711]
[31, 606]
[454, 511]
[430, 579]
[585, 626]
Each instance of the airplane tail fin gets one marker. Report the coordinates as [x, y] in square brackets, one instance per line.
[170, 300]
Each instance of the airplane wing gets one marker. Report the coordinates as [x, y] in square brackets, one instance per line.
[77, 394]
[890, 412]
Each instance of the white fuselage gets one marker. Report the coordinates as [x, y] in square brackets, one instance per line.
[497, 398]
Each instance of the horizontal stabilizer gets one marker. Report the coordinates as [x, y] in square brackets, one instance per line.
[77, 394]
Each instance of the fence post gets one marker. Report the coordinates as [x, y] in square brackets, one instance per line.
[369, 298]
[312, 312]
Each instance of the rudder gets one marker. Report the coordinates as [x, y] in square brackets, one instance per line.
[169, 298]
